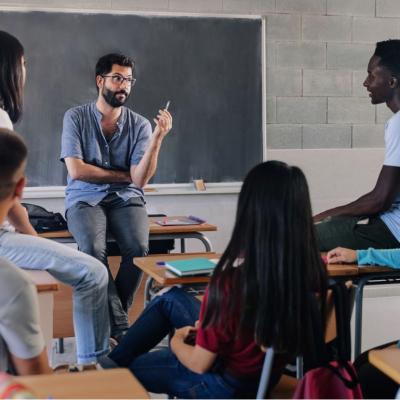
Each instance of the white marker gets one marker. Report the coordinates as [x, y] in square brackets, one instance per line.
[167, 105]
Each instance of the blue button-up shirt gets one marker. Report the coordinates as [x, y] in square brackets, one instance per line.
[82, 138]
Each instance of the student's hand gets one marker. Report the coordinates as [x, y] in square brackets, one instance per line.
[183, 332]
[341, 255]
[163, 124]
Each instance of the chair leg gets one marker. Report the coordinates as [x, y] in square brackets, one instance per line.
[265, 374]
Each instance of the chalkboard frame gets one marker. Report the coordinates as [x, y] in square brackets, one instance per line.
[262, 19]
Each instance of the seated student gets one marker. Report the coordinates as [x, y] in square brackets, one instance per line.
[373, 220]
[87, 276]
[257, 296]
[21, 342]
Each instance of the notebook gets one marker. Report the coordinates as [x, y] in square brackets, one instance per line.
[191, 220]
[192, 266]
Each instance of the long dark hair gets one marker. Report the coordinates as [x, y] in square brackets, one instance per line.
[11, 76]
[273, 241]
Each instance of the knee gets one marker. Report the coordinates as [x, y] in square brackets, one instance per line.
[97, 274]
[135, 249]
[95, 249]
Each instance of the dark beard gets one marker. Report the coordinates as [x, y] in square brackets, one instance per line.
[111, 99]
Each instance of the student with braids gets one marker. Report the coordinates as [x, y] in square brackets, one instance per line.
[258, 296]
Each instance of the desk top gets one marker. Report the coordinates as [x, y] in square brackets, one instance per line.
[43, 280]
[388, 361]
[165, 278]
[154, 229]
[106, 384]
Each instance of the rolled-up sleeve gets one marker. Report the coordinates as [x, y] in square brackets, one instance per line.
[144, 135]
[71, 141]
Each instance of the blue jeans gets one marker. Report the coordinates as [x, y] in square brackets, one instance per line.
[85, 274]
[160, 371]
[127, 221]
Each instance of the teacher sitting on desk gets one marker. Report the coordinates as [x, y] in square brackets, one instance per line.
[111, 154]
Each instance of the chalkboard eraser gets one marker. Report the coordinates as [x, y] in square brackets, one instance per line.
[199, 184]
[149, 189]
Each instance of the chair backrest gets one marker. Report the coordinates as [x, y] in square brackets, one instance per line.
[338, 314]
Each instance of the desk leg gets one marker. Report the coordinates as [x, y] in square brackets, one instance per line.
[147, 290]
[183, 248]
[46, 305]
[358, 316]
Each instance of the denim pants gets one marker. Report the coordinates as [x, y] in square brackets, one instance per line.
[127, 221]
[85, 274]
[160, 371]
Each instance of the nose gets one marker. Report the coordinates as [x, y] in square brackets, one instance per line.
[365, 83]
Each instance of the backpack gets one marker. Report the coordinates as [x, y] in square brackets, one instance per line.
[43, 220]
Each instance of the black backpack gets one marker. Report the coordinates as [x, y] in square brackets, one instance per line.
[43, 220]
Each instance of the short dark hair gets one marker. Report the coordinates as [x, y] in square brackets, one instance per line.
[13, 153]
[105, 63]
[389, 53]
[11, 76]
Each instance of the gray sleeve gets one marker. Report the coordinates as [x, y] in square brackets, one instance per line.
[19, 324]
[71, 144]
[144, 135]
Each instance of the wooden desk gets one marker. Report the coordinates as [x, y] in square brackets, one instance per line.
[46, 286]
[157, 232]
[388, 361]
[107, 384]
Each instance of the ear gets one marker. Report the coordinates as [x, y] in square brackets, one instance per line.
[99, 81]
[19, 188]
[394, 82]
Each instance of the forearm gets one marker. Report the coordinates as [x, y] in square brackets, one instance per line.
[93, 174]
[387, 257]
[365, 205]
[185, 354]
[18, 218]
[143, 172]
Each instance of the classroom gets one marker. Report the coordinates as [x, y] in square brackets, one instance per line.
[309, 108]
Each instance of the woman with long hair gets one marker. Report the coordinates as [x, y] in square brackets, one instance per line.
[258, 296]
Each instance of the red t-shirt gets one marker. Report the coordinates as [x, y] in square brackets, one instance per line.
[242, 356]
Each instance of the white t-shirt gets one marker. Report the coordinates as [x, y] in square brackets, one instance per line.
[20, 332]
[5, 122]
[392, 158]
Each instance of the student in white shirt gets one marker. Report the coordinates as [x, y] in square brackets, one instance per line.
[22, 348]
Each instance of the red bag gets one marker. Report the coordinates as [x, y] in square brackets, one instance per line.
[334, 381]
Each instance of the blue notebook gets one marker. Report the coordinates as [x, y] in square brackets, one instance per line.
[192, 266]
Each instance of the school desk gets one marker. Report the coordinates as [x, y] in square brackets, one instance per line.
[157, 232]
[46, 286]
[106, 384]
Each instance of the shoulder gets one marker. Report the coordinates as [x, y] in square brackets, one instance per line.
[79, 111]
[5, 121]
[393, 123]
[137, 119]
[12, 280]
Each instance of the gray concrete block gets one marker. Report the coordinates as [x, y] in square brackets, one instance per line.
[349, 55]
[368, 136]
[387, 8]
[301, 54]
[301, 110]
[283, 136]
[383, 113]
[249, 6]
[326, 136]
[271, 110]
[283, 82]
[351, 7]
[75, 4]
[375, 29]
[150, 5]
[326, 82]
[350, 110]
[196, 5]
[301, 6]
[358, 88]
[327, 28]
[283, 27]
[270, 53]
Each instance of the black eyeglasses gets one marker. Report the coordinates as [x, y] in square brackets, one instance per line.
[119, 79]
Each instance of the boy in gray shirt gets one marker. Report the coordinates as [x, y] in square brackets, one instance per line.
[22, 346]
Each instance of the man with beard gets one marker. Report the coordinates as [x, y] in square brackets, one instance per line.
[111, 154]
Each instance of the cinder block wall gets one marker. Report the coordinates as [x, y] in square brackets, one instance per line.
[317, 53]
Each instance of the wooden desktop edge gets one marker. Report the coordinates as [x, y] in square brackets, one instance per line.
[388, 361]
